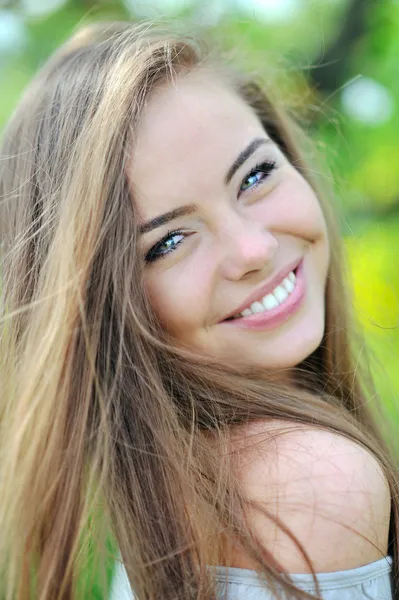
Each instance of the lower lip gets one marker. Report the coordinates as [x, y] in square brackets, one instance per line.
[275, 317]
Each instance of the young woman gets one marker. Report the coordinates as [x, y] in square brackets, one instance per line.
[176, 342]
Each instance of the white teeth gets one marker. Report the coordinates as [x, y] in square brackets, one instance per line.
[269, 302]
[257, 307]
[289, 286]
[280, 293]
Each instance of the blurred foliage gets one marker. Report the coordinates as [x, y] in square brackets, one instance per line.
[317, 53]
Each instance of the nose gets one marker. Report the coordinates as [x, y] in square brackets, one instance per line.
[248, 248]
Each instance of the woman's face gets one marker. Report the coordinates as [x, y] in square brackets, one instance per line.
[233, 237]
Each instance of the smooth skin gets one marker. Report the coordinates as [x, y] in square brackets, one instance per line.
[231, 233]
[240, 235]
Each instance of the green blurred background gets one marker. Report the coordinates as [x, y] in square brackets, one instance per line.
[340, 57]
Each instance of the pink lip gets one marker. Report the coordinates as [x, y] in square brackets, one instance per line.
[272, 318]
[267, 288]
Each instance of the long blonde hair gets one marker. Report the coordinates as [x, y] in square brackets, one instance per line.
[102, 419]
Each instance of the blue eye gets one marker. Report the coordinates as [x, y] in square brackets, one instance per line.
[165, 246]
[257, 175]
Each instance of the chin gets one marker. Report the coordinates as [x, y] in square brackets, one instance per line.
[286, 351]
[297, 354]
[289, 353]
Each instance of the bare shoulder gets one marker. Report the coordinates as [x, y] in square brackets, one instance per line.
[328, 490]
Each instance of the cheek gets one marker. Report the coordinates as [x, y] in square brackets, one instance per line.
[297, 210]
[180, 297]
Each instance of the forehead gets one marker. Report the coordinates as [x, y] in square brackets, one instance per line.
[195, 126]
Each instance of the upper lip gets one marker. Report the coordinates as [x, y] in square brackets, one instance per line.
[266, 288]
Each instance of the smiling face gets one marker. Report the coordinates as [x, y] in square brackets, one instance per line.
[233, 237]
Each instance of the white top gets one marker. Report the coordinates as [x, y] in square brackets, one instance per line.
[369, 582]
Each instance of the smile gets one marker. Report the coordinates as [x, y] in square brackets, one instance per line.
[270, 301]
[274, 308]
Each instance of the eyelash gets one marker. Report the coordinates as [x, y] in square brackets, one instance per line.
[152, 255]
[266, 167]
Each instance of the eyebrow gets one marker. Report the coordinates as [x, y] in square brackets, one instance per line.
[244, 155]
[189, 209]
